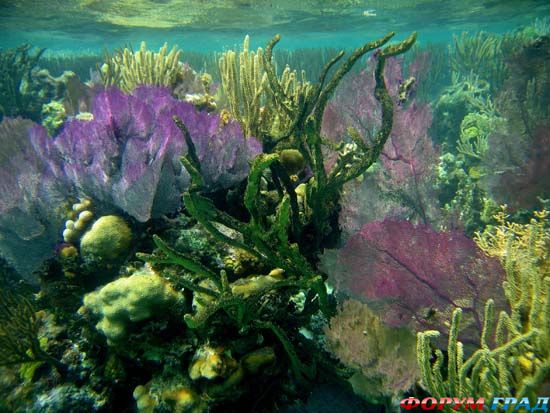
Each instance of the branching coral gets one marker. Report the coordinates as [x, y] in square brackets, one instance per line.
[304, 108]
[519, 362]
[128, 69]
[480, 53]
[254, 91]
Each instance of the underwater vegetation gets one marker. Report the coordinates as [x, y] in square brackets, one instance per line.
[290, 238]
[519, 359]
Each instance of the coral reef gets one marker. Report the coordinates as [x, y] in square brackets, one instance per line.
[415, 276]
[33, 194]
[128, 300]
[148, 180]
[19, 333]
[53, 116]
[401, 183]
[24, 88]
[128, 69]
[518, 364]
[384, 357]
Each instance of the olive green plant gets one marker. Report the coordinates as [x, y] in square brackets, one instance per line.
[272, 236]
[481, 54]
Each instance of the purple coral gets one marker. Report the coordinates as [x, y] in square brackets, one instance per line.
[128, 156]
[31, 196]
[415, 276]
[403, 184]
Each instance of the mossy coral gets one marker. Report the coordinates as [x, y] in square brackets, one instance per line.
[129, 300]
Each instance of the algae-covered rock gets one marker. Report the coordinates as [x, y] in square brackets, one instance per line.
[128, 300]
[106, 241]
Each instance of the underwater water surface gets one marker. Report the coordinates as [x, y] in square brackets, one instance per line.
[274, 206]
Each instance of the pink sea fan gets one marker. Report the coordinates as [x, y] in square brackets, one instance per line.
[402, 183]
[415, 276]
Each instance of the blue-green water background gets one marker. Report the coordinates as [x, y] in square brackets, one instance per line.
[72, 26]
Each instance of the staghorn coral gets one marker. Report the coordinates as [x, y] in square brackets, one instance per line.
[128, 69]
[383, 357]
[518, 364]
[414, 276]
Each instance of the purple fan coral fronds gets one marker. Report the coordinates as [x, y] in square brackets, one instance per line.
[128, 156]
[403, 184]
[32, 196]
[414, 276]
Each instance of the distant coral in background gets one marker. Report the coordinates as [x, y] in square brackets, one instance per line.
[520, 168]
[24, 87]
[127, 69]
[414, 276]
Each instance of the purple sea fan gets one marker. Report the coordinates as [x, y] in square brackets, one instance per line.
[414, 276]
[401, 185]
[32, 196]
[128, 156]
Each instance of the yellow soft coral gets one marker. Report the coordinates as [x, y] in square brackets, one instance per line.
[128, 69]
[519, 362]
[523, 250]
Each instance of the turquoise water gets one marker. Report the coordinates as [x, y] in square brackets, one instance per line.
[73, 26]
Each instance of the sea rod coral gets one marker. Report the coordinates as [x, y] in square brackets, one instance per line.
[518, 363]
